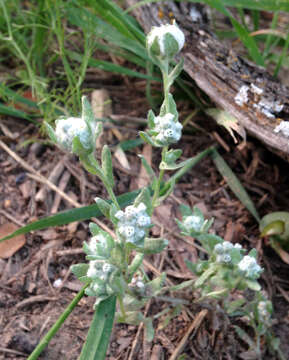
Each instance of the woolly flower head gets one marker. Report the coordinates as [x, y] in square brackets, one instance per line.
[249, 267]
[165, 41]
[193, 223]
[167, 129]
[67, 129]
[132, 223]
[223, 251]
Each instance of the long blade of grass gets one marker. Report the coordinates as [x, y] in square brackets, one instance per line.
[66, 217]
[10, 111]
[243, 34]
[266, 5]
[234, 183]
[129, 22]
[81, 16]
[99, 332]
[5, 91]
[110, 67]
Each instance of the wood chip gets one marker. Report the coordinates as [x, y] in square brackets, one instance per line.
[11, 246]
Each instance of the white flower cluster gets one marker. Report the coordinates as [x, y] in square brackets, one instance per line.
[99, 270]
[137, 282]
[223, 250]
[249, 267]
[169, 38]
[193, 223]
[168, 131]
[133, 223]
[67, 129]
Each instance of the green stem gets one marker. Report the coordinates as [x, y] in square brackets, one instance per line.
[161, 175]
[46, 339]
[93, 162]
[165, 74]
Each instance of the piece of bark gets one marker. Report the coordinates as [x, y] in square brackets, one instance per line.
[220, 72]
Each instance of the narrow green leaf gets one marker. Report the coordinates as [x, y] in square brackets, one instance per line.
[11, 111]
[234, 183]
[99, 332]
[110, 67]
[106, 164]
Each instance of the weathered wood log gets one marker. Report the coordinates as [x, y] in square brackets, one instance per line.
[221, 73]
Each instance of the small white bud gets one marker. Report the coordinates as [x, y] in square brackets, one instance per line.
[227, 246]
[165, 40]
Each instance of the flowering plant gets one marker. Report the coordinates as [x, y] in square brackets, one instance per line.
[115, 271]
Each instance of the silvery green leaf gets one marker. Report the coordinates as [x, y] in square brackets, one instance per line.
[172, 155]
[78, 149]
[235, 305]
[153, 245]
[103, 206]
[133, 303]
[172, 108]
[144, 197]
[135, 264]
[146, 138]
[185, 210]
[154, 287]
[207, 274]
[97, 131]
[149, 330]
[176, 71]
[253, 285]
[131, 317]
[107, 165]
[113, 211]
[166, 166]
[151, 118]
[50, 132]
[80, 271]
[182, 227]
[182, 285]
[117, 257]
[209, 241]
[87, 113]
[253, 253]
[94, 228]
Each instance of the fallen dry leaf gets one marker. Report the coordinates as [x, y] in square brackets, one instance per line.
[9, 247]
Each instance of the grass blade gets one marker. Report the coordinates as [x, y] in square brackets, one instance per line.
[266, 5]
[110, 67]
[66, 217]
[234, 184]
[99, 332]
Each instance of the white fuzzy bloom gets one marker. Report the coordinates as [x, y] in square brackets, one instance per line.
[193, 223]
[227, 246]
[226, 258]
[67, 129]
[160, 34]
[168, 130]
[242, 96]
[92, 269]
[218, 249]
[249, 267]
[133, 222]
[283, 127]
[238, 246]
